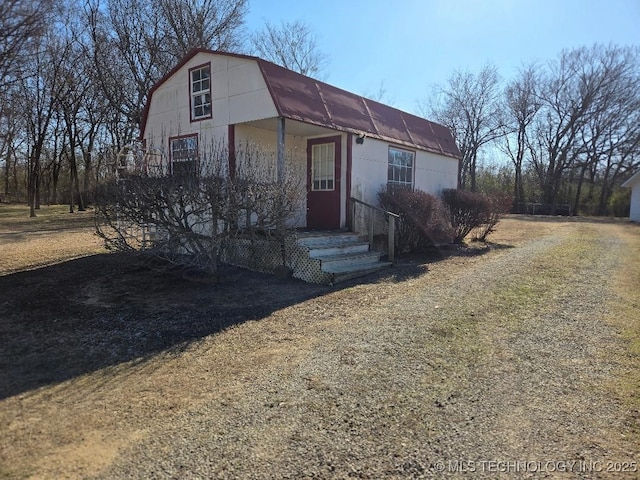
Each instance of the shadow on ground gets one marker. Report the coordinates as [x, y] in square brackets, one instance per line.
[576, 219]
[412, 265]
[76, 317]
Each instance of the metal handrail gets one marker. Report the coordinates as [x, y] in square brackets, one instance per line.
[392, 224]
[374, 207]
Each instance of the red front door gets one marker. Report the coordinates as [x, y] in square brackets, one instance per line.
[323, 183]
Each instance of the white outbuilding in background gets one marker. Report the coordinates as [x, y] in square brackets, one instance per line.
[634, 184]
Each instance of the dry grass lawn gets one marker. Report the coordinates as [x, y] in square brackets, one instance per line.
[55, 235]
[528, 349]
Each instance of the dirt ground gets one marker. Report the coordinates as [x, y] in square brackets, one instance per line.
[526, 350]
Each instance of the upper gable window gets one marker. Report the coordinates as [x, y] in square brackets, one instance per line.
[200, 86]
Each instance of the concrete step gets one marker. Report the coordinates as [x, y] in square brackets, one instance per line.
[347, 273]
[332, 257]
[329, 263]
[338, 249]
[323, 239]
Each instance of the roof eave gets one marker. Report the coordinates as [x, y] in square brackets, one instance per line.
[377, 136]
[632, 181]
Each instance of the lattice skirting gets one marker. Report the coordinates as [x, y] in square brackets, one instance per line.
[267, 254]
[258, 254]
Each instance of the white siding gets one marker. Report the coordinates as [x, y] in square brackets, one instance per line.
[432, 173]
[368, 169]
[634, 214]
[248, 137]
[238, 91]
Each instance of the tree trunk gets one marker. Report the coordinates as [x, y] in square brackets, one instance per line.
[54, 185]
[7, 169]
[76, 183]
[32, 192]
[461, 174]
[16, 186]
[73, 171]
[71, 203]
[88, 170]
[38, 181]
[604, 190]
[472, 174]
[576, 202]
[518, 189]
[33, 181]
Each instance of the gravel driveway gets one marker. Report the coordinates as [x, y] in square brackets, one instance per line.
[489, 366]
[520, 361]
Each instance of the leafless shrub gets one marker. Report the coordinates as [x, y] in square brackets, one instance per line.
[187, 218]
[423, 218]
[498, 206]
[467, 210]
[472, 210]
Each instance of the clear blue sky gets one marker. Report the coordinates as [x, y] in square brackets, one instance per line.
[410, 45]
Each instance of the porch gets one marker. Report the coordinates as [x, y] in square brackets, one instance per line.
[325, 257]
[319, 158]
[317, 256]
[333, 240]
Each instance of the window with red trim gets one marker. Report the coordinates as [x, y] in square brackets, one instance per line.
[200, 90]
[184, 155]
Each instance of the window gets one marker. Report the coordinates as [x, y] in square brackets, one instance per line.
[200, 92]
[184, 155]
[323, 163]
[400, 167]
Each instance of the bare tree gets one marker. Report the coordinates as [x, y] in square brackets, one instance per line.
[11, 133]
[21, 23]
[128, 59]
[41, 90]
[291, 45]
[611, 137]
[135, 42]
[55, 157]
[522, 105]
[581, 98]
[214, 24]
[82, 108]
[471, 106]
[75, 86]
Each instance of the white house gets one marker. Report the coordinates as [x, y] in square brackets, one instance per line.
[342, 145]
[352, 145]
[634, 184]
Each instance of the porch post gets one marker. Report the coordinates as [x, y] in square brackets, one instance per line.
[280, 150]
[350, 209]
[231, 139]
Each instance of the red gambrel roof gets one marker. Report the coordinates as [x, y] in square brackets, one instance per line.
[302, 98]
